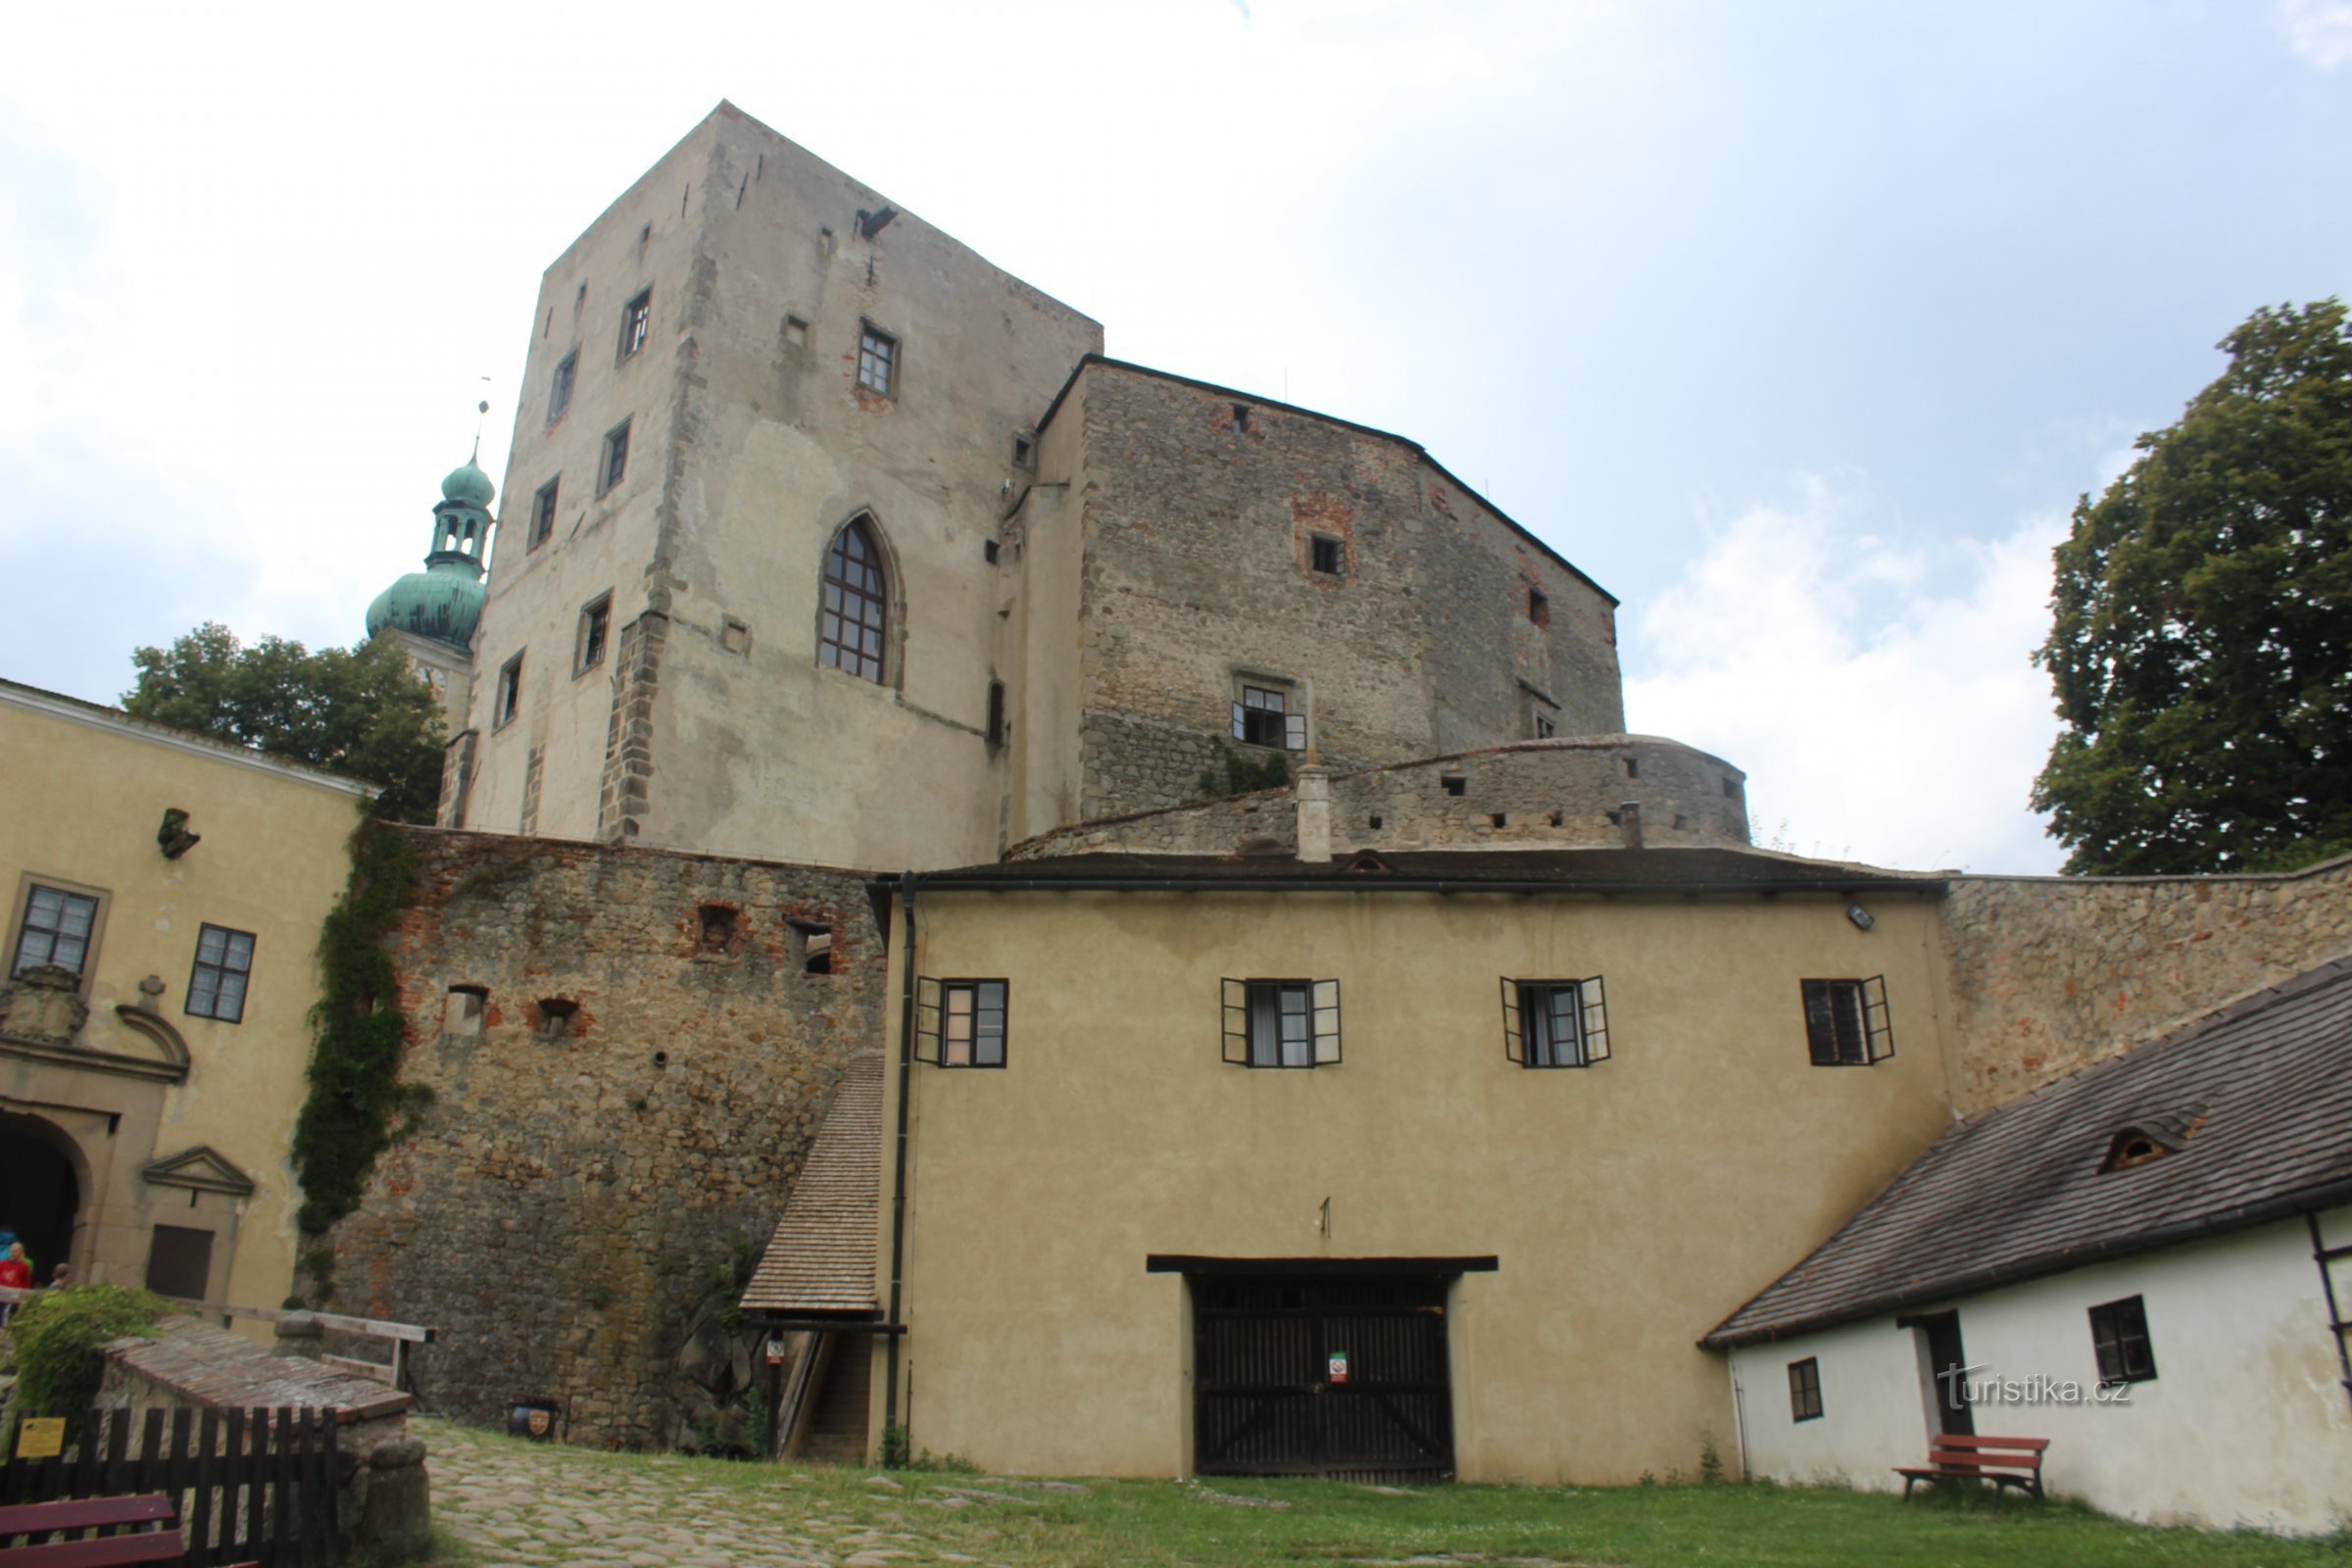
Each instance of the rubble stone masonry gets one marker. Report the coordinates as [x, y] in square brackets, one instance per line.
[2050, 974]
[628, 1063]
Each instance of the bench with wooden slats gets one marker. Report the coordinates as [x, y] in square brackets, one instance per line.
[38, 1519]
[1960, 1456]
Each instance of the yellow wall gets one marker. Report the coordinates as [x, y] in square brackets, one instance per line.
[84, 793]
[1631, 1205]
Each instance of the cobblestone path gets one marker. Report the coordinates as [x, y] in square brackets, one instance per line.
[530, 1506]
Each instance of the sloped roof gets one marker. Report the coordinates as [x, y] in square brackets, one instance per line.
[2258, 1098]
[822, 1258]
[1612, 871]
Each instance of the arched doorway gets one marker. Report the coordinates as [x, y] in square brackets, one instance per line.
[40, 1190]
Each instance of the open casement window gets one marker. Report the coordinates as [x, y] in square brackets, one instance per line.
[1282, 1023]
[1555, 1023]
[1847, 1023]
[959, 1023]
[1263, 717]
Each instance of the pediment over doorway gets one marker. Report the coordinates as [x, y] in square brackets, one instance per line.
[202, 1169]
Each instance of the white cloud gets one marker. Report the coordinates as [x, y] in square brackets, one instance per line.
[2319, 31]
[1880, 700]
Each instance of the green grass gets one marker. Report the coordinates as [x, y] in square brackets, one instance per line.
[1149, 1524]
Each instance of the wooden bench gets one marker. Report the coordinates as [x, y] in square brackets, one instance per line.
[163, 1545]
[1959, 1456]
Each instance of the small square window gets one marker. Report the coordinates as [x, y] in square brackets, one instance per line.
[960, 1023]
[1282, 1023]
[1804, 1389]
[559, 395]
[1846, 1022]
[596, 622]
[60, 928]
[508, 701]
[1024, 452]
[2119, 1337]
[543, 512]
[1326, 554]
[636, 320]
[1555, 1023]
[616, 460]
[1263, 717]
[224, 963]
[877, 359]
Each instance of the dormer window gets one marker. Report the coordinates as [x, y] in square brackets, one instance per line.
[2149, 1140]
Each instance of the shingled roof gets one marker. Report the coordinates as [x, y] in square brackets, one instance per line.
[822, 1258]
[2249, 1112]
[1609, 870]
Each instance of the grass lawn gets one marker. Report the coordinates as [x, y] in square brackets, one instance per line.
[1153, 1523]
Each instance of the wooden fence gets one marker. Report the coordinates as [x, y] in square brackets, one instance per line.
[250, 1485]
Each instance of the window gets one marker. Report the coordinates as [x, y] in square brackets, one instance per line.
[1845, 1023]
[596, 621]
[2119, 1336]
[959, 1023]
[1282, 1023]
[60, 928]
[558, 396]
[1538, 608]
[856, 605]
[217, 984]
[1544, 725]
[1804, 1389]
[877, 359]
[509, 693]
[179, 1262]
[543, 512]
[1325, 554]
[995, 713]
[636, 320]
[1555, 1023]
[1024, 452]
[1263, 717]
[617, 459]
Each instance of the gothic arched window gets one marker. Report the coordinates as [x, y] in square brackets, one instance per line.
[857, 613]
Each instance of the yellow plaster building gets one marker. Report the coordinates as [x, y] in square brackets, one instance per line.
[166, 898]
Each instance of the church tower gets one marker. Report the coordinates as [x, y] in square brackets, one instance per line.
[431, 613]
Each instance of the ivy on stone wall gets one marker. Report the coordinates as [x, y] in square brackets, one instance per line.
[1245, 775]
[357, 1106]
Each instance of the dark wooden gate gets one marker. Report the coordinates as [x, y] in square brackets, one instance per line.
[250, 1486]
[1271, 1400]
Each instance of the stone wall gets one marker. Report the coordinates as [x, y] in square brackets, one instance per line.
[628, 1063]
[1556, 794]
[1444, 628]
[2050, 974]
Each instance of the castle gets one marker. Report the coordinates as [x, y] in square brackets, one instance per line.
[1111, 924]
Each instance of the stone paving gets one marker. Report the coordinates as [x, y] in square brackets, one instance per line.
[529, 1507]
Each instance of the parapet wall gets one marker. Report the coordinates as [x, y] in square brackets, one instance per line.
[592, 1178]
[2050, 974]
[1554, 794]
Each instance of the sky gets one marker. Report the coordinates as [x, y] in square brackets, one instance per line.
[1799, 326]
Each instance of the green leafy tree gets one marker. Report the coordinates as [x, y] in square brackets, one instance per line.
[363, 713]
[2201, 636]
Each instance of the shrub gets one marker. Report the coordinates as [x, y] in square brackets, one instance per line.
[61, 1339]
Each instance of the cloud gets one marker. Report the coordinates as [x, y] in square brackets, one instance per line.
[2319, 31]
[1879, 699]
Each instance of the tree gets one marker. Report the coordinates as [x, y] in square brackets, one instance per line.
[363, 713]
[2201, 634]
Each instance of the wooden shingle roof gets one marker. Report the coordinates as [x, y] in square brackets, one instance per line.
[822, 1258]
[2252, 1106]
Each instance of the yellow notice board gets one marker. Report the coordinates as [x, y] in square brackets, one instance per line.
[41, 1438]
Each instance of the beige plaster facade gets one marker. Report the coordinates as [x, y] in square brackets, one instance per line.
[1627, 1205]
[158, 1116]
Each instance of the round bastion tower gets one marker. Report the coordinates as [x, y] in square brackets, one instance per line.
[434, 612]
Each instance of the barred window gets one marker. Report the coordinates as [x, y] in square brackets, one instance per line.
[1847, 1023]
[224, 963]
[856, 606]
